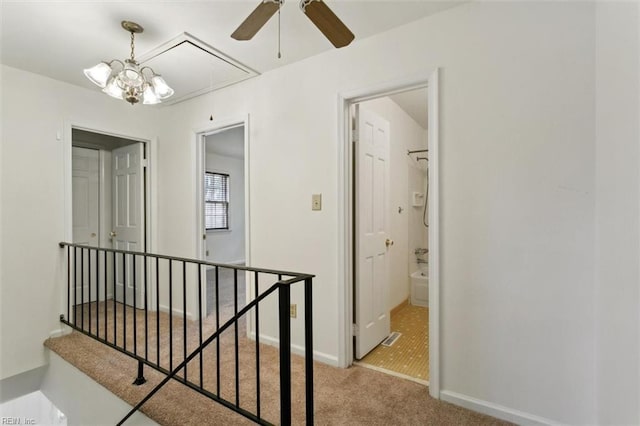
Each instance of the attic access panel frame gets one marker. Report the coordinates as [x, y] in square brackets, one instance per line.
[177, 45]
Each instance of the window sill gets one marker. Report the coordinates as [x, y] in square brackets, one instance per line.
[218, 231]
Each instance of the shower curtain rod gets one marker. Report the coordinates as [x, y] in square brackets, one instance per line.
[417, 151]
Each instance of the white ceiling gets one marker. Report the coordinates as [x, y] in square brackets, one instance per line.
[59, 39]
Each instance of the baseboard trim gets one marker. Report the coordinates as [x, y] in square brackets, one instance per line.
[494, 410]
[298, 350]
[62, 331]
[177, 312]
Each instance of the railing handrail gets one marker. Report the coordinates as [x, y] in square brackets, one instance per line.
[207, 342]
[299, 275]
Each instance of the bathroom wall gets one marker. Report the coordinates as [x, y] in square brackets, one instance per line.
[405, 228]
[417, 170]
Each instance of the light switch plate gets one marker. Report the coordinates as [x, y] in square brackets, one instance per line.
[316, 202]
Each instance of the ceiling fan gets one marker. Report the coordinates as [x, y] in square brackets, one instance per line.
[316, 10]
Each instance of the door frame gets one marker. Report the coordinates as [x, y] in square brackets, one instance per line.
[151, 199]
[346, 247]
[198, 136]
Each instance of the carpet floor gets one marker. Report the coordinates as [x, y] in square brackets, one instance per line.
[351, 396]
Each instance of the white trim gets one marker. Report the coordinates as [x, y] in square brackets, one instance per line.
[151, 152]
[103, 226]
[178, 312]
[186, 37]
[345, 215]
[433, 145]
[198, 135]
[494, 410]
[59, 332]
[391, 373]
[296, 349]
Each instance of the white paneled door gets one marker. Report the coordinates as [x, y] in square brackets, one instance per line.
[86, 195]
[86, 212]
[128, 222]
[373, 323]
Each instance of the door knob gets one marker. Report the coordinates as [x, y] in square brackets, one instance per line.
[388, 242]
[113, 234]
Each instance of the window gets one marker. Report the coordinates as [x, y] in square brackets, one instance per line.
[216, 201]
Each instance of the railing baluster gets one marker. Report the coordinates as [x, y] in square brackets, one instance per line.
[68, 283]
[97, 294]
[308, 348]
[82, 288]
[184, 315]
[146, 312]
[135, 305]
[257, 334]
[200, 318]
[217, 328]
[170, 316]
[105, 295]
[114, 280]
[235, 331]
[89, 286]
[75, 286]
[124, 300]
[285, 354]
[158, 311]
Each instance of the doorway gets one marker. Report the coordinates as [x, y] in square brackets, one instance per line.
[390, 240]
[223, 218]
[109, 203]
[404, 202]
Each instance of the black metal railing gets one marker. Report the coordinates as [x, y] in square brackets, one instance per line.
[130, 302]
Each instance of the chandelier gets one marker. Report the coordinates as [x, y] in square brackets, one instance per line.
[127, 80]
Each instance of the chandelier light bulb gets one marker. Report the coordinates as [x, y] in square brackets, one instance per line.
[161, 88]
[112, 89]
[149, 96]
[99, 74]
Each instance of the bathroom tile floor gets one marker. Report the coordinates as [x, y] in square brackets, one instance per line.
[409, 355]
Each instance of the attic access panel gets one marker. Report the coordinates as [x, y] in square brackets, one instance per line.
[192, 67]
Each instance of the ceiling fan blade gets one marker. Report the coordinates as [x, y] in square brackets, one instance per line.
[256, 20]
[328, 23]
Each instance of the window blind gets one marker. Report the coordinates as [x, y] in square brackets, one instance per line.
[216, 197]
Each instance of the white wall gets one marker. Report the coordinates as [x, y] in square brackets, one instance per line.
[518, 169]
[228, 246]
[405, 134]
[617, 213]
[34, 111]
[83, 400]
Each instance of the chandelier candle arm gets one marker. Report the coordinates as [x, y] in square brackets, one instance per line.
[128, 81]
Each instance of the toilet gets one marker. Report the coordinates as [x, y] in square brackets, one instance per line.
[420, 287]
